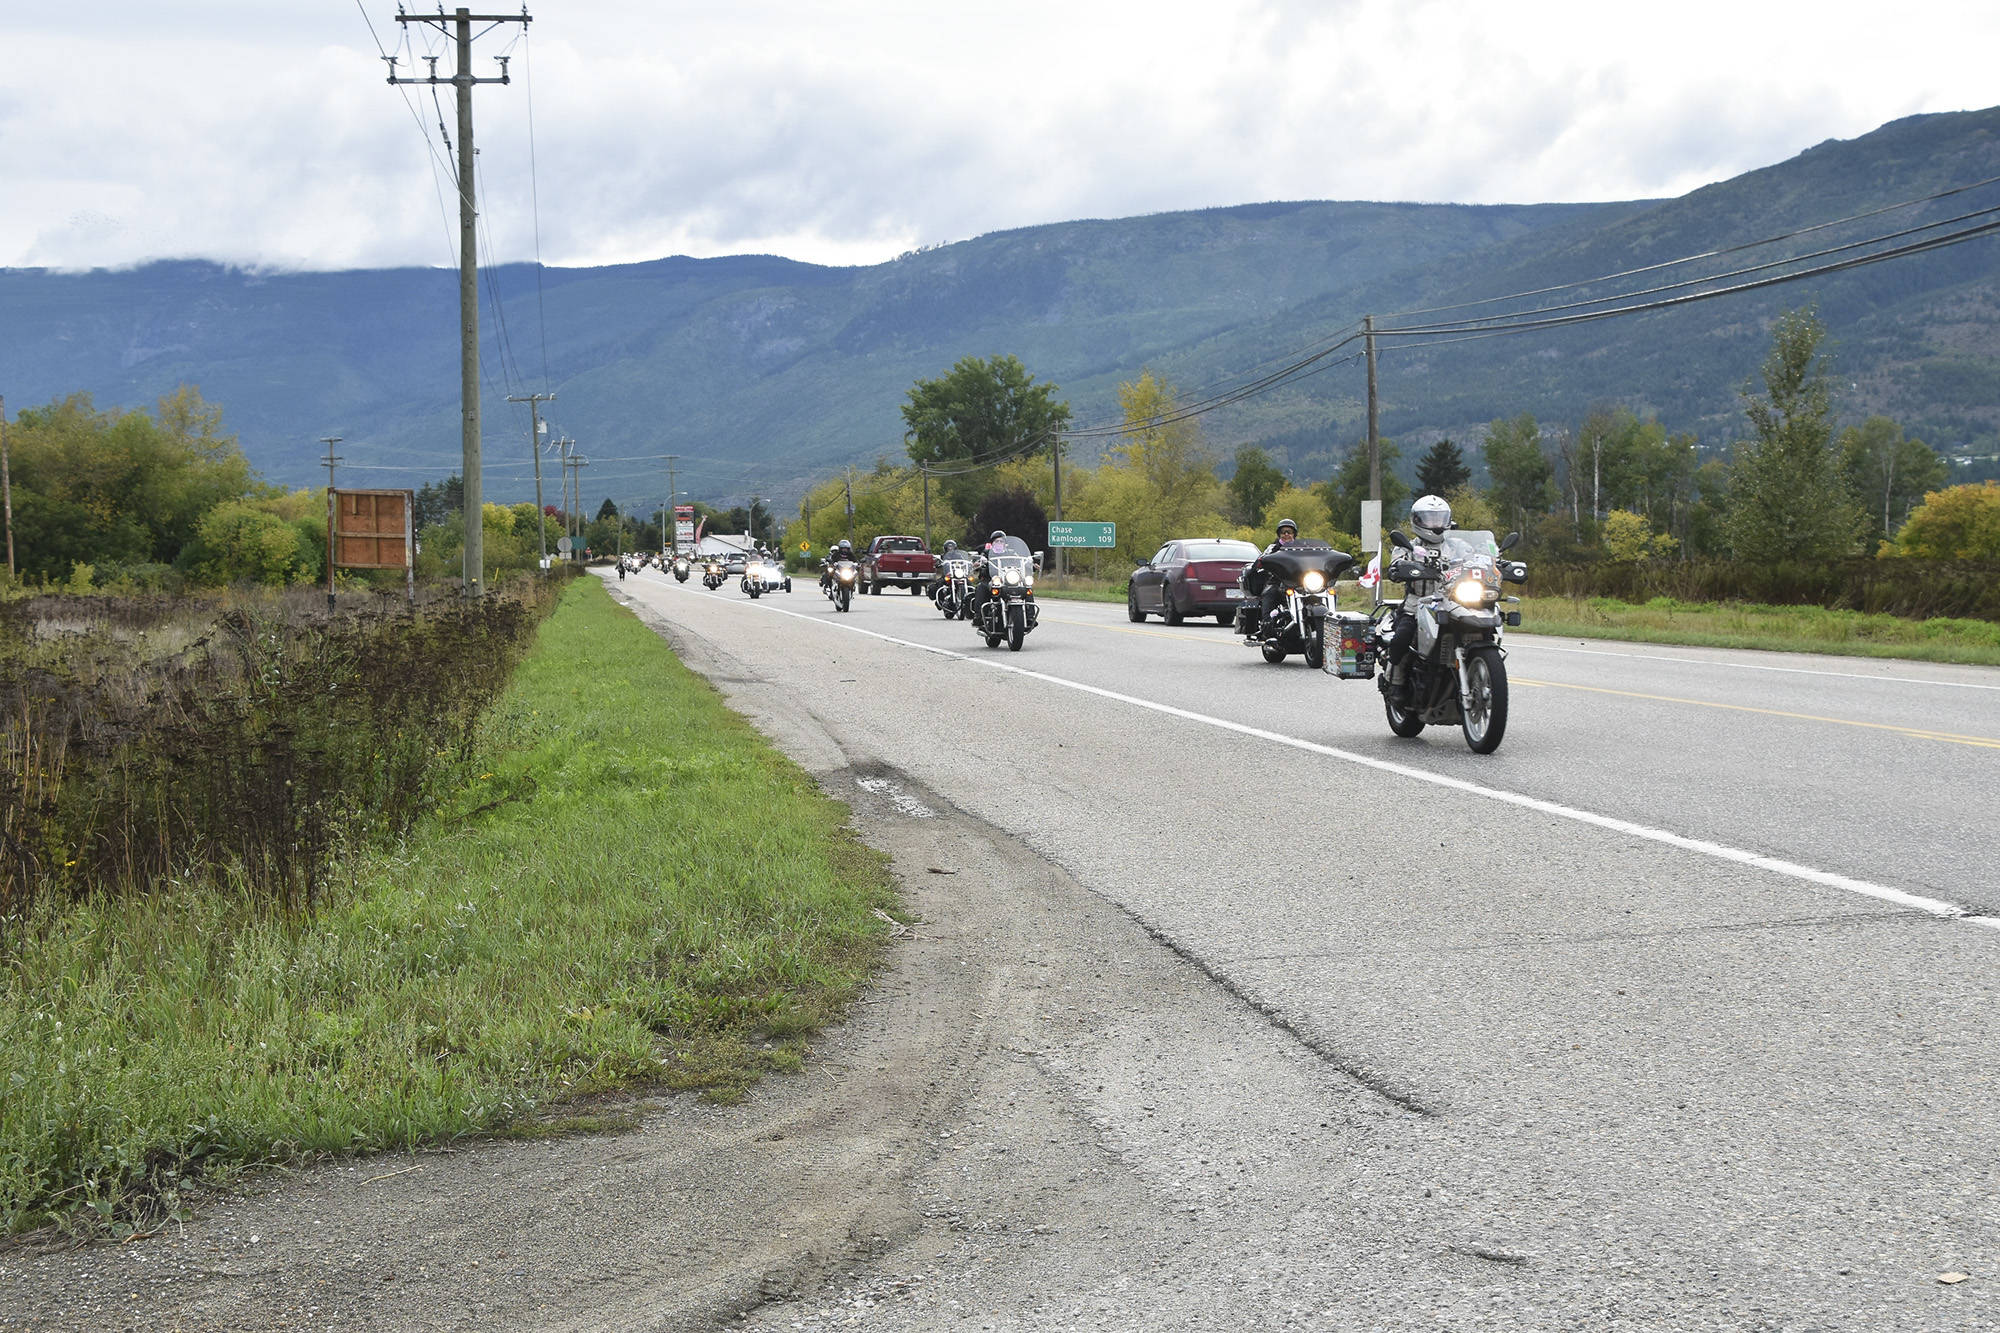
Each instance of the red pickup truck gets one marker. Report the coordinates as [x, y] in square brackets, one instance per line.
[897, 562]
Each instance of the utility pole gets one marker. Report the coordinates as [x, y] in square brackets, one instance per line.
[7, 487]
[458, 26]
[850, 506]
[329, 441]
[1374, 436]
[577, 464]
[1055, 452]
[925, 469]
[562, 449]
[534, 402]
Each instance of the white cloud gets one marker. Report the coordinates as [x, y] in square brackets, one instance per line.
[846, 133]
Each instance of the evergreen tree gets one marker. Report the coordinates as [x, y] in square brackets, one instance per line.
[1257, 479]
[1788, 499]
[1442, 469]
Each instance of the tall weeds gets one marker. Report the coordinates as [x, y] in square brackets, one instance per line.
[144, 740]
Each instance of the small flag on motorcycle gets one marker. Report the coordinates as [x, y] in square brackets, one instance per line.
[1374, 574]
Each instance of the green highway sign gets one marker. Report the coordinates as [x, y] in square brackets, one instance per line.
[1099, 536]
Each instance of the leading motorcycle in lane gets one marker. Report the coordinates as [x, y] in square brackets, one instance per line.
[712, 575]
[1004, 597]
[1456, 670]
[681, 564]
[839, 588]
[1305, 572]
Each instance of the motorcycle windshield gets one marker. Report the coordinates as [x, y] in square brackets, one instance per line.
[1010, 546]
[1012, 570]
[1299, 558]
[1468, 552]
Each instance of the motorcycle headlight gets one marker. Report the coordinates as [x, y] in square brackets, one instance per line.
[847, 576]
[1314, 581]
[1012, 576]
[1469, 592]
[1031, 580]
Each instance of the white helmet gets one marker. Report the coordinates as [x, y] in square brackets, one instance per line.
[1430, 516]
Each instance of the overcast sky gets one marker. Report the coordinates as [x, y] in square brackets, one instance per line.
[262, 132]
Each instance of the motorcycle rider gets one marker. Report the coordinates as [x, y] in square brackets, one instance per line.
[945, 557]
[1259, 583]
[982, 570]
[1430, 519]
[842, 550]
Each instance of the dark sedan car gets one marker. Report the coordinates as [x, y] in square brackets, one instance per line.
[1192, 577]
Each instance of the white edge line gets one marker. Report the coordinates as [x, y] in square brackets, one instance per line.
[1719, 851]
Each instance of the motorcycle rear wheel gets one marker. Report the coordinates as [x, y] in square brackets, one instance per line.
[1485, 722]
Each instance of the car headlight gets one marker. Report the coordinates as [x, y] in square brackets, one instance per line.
[1012, 576]
[1469, 592]
[1314, 581]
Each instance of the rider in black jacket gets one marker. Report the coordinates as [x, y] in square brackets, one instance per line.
[1259, 583]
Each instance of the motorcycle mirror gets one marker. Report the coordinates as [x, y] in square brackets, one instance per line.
[1398, 540]
[1510, 541]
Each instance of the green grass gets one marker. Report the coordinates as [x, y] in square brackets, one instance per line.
[1797, 629]
[628, 888]
[1078, 588]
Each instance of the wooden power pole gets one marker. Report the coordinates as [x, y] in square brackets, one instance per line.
[1374, 436]
[534, 402]
[458, 26]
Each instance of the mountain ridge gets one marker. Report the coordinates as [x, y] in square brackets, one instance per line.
[763, 372]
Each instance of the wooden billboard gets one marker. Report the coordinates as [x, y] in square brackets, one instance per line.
[371, 530]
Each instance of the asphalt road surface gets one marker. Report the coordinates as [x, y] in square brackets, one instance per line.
[1677, 1012]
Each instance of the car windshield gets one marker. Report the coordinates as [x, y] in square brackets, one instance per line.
[1219, 550]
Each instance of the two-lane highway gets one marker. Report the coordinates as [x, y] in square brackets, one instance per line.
[1686, 991]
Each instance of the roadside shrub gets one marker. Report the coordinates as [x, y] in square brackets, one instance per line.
[236, 738]
[1912, 588]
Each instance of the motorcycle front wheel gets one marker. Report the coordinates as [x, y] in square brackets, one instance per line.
[845, 596]
[1316, 648]
[1016, 632]
[1404, 721]
[1484, 719]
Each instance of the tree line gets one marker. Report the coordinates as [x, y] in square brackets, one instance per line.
[981, 439]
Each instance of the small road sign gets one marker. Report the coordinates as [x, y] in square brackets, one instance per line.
[565, 545]
[1096, 536]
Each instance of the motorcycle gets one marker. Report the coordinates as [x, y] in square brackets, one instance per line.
[1305, 572]
[712, 575]
[681, 568]
[839, 583]
[761, 576]
[1008, 610]
[952, 593]
[1456, 670]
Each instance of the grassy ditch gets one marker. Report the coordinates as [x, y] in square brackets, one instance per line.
[625, 886]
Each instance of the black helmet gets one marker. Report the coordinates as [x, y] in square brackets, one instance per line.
[1284, 523]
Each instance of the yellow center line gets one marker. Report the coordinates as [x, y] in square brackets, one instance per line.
[1919, 732]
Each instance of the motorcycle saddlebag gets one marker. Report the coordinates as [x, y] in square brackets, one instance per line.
[1350, 649]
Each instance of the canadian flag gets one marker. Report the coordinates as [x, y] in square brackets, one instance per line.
[1374, 574]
